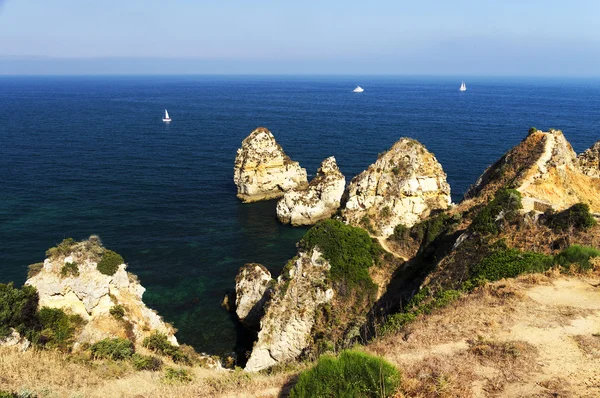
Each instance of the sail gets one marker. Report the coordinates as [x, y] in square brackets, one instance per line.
[166, 114]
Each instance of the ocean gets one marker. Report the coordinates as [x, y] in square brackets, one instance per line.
[90, 155]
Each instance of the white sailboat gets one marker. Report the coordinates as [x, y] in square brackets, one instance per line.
[463, 87]
[166, 119]
[358, 89]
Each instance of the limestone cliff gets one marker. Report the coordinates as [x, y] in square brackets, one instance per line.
[545, 170]
[589, 161]
[402, 187]
[251, 292]
[263, 171]
[70, 280]
[320, 201]
[290, 315]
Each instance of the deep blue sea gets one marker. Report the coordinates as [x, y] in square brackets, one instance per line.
[90, 155]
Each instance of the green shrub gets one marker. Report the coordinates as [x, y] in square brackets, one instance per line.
[505, 205]
[34, 269]
[177, 375]
[401, 232]
[159, 343]
[18, 308]
[62, 249]
[349, 250]
[577, 216]
[146, 362]
[69, 269]
[509, 263]
[352, 374]
[115, 349]
[7, 394]
[576, 254]
[533, 130]
[109, 264]
[117, 311]
[57, 328]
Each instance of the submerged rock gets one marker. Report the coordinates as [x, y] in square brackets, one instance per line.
[402, 187]
[290, 314]
[320, 201]
[251, 291]
[263, 171]
[589, 161]
[70, 280]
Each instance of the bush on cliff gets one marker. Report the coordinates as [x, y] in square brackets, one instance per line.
[109, 264]
[159, 343]
[62, 249]
[18, 308]
[349, 250]
[146, 362]
[577, 216]
[56, 329]
[352, 374]
[509, 263]
[115, 349]
[504, 206]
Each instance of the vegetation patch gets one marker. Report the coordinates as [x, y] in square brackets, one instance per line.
[578, 255]
[34, 269]
[18, 308]
[116, 349]
[64, 248]
[577, 217]
[117, 311]
[159, 343]
[352, 374]
[69, 269]
[509, 263]
[57, 329]
[146, 362]
[177, 375]
[349, 250]
[504, 207]
[109, 263]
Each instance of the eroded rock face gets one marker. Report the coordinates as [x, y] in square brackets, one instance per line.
[92, 294]
[320, 201]
[14, 339]
[402, 187]
[589, 161]
[290, 314]
[251, 285]
[263, 171]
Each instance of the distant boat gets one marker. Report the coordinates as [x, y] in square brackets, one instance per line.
[463, 87]
[358, 89]
[166, 119]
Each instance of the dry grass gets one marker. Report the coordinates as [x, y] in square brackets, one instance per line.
[51, 374]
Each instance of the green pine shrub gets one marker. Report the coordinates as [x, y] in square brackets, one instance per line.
[177, 375]
[18, 308]
[504, 206]
[576, 254]
[69, 269]
[109, 264]
[116, 349]
[509, 263]
[351, 374]
[159, 343]
[57, 328]
[146, 362]
[577, 216]
[117, 311]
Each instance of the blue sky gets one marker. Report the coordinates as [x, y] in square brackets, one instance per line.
[466, 37]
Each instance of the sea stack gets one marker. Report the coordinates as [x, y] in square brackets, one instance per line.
[86, 279]
[263, 171]
[403, 186]
[320, 201]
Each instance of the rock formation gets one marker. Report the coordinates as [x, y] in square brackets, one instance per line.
[402, 187]
[84, 290]
[320, 201]
[290, 314]
[545, 169]
[589, 161]
[263, 171]
[251, 285]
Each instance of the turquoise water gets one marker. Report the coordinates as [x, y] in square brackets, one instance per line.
[90, 155]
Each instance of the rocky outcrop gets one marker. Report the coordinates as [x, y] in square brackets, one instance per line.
[320, 201]
[251, 291]
[71, 281]
[14, 339]
[589, 161]
[546, 171]
[402, 187]
[290, 314]
[263, 171]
